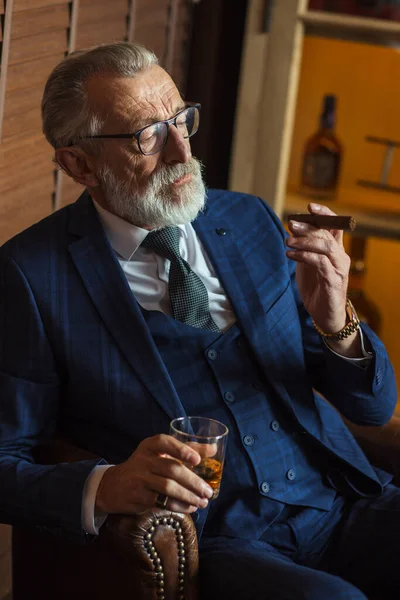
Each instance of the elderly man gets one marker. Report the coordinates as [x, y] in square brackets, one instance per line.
[152, 298]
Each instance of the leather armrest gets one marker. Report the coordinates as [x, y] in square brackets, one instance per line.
[160, 549]
[155, 551]
[381, 445]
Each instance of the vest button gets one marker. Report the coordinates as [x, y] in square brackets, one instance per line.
[212, 354]
[248, 440]
[275, 425]
[291, 474]
[229, 396]
[265, 487]
[221, 231]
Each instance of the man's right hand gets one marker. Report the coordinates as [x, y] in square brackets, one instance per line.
[158, 466]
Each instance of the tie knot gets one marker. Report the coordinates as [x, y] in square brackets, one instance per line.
[164, 242]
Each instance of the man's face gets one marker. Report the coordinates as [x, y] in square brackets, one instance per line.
[160, 190]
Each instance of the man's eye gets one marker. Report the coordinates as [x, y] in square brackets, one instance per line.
[146, 136]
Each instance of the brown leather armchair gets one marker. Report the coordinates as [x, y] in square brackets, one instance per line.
[153, 556]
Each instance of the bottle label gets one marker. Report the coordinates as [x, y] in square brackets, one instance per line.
[320, 170]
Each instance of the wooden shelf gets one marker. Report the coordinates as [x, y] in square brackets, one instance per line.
[369, 222]
[378, 31]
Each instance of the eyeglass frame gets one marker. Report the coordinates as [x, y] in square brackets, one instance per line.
[136, 135]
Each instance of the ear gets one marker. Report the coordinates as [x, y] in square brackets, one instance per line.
[78, 165]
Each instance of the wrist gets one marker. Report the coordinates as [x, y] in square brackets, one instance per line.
[349, 347]
[350, 327]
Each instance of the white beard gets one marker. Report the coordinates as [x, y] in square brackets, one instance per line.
[158, 206]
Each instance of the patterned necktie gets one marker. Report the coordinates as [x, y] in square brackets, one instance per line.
[188, 294]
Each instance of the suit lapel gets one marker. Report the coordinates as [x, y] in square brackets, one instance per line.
[234, 276]
[110, 293]
[251, 313]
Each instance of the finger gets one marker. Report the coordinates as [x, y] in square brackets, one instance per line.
[138, 508]
[172, 469]
[298, 228]
[319, 261]
[204, 450]
[175, 491]
[320, 209]
[321, 245]
[166, 444]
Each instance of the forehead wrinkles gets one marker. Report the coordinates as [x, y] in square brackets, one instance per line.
[150, 95]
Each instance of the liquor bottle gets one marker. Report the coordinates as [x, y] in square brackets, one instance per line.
[322, 156]
[366, 309]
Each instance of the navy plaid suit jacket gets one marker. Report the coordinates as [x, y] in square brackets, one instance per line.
[76, 354]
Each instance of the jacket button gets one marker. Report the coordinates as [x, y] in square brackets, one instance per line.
[265, 487]
[221, 231]
[229, 396]
[275, 425]
[248, 440]
[291, 474]
[212, 354]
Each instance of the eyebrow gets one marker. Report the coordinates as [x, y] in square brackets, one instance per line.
[154, 120]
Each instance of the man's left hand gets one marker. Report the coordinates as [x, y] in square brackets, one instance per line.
[322, 270]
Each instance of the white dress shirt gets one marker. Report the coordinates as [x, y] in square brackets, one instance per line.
[147, 275]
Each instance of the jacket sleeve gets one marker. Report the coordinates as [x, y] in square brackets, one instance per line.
[365, 396]
[46, 497]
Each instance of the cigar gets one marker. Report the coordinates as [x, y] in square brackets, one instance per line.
[325, 221]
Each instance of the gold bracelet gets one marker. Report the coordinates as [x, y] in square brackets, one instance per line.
[347, 330]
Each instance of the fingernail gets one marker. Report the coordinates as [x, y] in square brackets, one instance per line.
[315, 207]
[208, 492]
[297, 225]
[203, 503]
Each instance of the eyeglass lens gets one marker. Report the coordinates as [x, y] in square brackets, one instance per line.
[153, 137]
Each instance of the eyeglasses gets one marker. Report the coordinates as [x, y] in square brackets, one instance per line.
[152, 138]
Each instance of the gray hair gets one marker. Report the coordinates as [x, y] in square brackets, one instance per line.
[66, 113]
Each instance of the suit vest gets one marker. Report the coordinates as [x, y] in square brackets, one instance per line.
[268, 463]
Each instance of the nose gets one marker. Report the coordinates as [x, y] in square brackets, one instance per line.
[177, 148]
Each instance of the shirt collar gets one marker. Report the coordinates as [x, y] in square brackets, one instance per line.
[124, 237]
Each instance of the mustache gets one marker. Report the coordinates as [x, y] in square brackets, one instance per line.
[167, 175]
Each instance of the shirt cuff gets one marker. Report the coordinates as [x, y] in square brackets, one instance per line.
[361, 362]
[92, 520]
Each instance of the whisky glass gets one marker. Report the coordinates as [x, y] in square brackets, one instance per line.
[208, 437]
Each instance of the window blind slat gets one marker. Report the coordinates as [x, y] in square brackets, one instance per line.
[21, 101]
[35, 46]
[97, 33]
[23, 125]
[31, 22]
[95, 12]
[32, 72]
[25, 204]
[20, 5]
